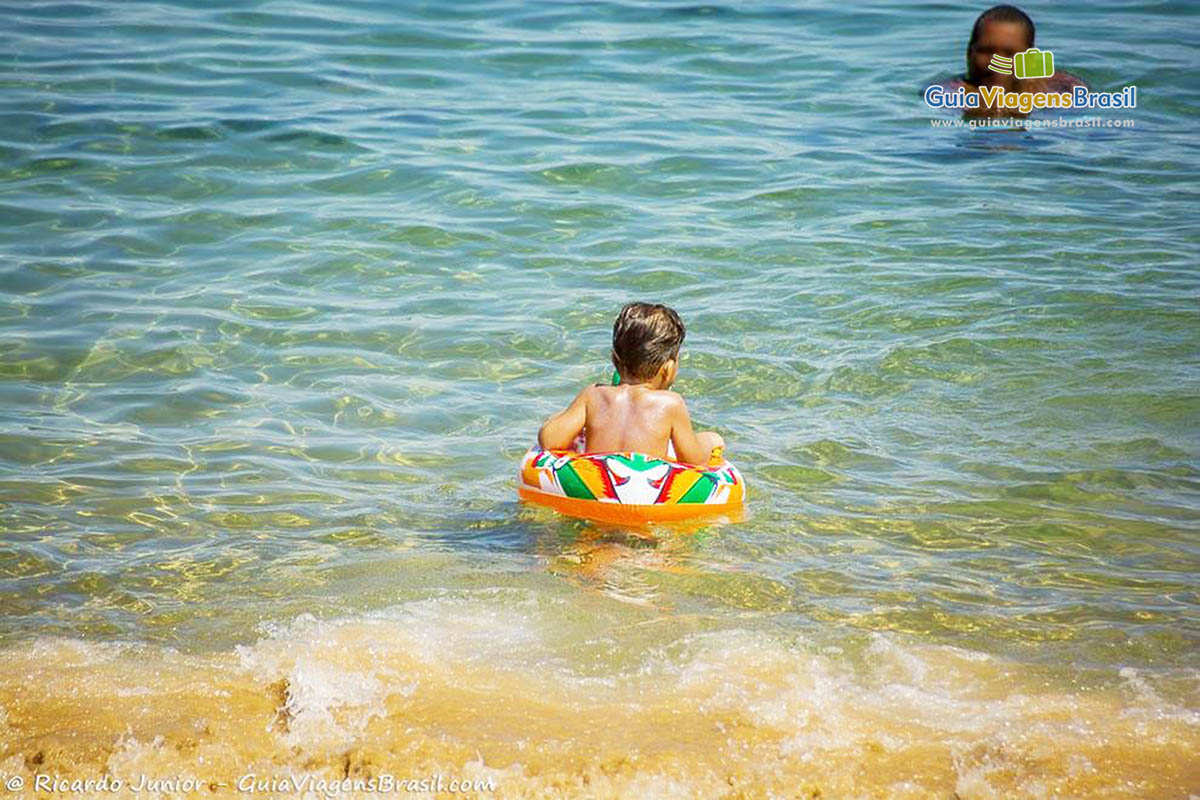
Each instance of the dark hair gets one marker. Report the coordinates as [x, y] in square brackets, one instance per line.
[1002, 14]
[645, 336]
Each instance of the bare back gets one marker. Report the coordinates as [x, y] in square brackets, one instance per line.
[629, 418]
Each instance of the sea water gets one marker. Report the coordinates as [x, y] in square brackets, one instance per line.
[289, 286]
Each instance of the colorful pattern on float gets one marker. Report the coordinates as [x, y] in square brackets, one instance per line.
[628, 485]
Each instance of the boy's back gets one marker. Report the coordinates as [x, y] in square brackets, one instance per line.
[632, 418]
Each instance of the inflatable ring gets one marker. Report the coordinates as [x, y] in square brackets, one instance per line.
[630, 488]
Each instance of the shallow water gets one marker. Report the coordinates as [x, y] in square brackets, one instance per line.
[288, 287]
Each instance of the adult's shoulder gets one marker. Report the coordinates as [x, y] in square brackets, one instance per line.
[951, 84]
[1065, 81]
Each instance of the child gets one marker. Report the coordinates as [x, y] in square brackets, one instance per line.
[639, 414]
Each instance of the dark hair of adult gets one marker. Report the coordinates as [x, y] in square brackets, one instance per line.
[1002, 14]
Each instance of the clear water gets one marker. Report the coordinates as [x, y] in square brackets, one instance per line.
[288, 287]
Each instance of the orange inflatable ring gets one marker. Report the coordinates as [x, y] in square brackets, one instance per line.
[630, 488]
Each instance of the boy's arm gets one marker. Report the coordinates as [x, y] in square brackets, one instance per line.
[690, 447]
[559, 432]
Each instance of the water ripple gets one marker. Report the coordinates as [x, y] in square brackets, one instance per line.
[282, 276]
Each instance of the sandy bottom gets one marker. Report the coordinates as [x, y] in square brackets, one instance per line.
[504, 689]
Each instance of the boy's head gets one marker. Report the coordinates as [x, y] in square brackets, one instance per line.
[646, 337]
[1003, 31]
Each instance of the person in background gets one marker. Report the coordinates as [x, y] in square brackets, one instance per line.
[1004, 31]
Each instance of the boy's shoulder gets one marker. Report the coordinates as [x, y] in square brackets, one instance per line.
[662, 396]
[666, 399]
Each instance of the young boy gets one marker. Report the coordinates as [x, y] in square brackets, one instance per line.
[639, 414]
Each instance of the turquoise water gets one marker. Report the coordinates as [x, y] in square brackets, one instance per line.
[288, 287]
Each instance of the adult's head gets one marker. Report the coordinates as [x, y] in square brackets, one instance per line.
[1002, 31]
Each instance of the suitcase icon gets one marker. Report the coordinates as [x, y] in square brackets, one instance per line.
[1033, 63]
